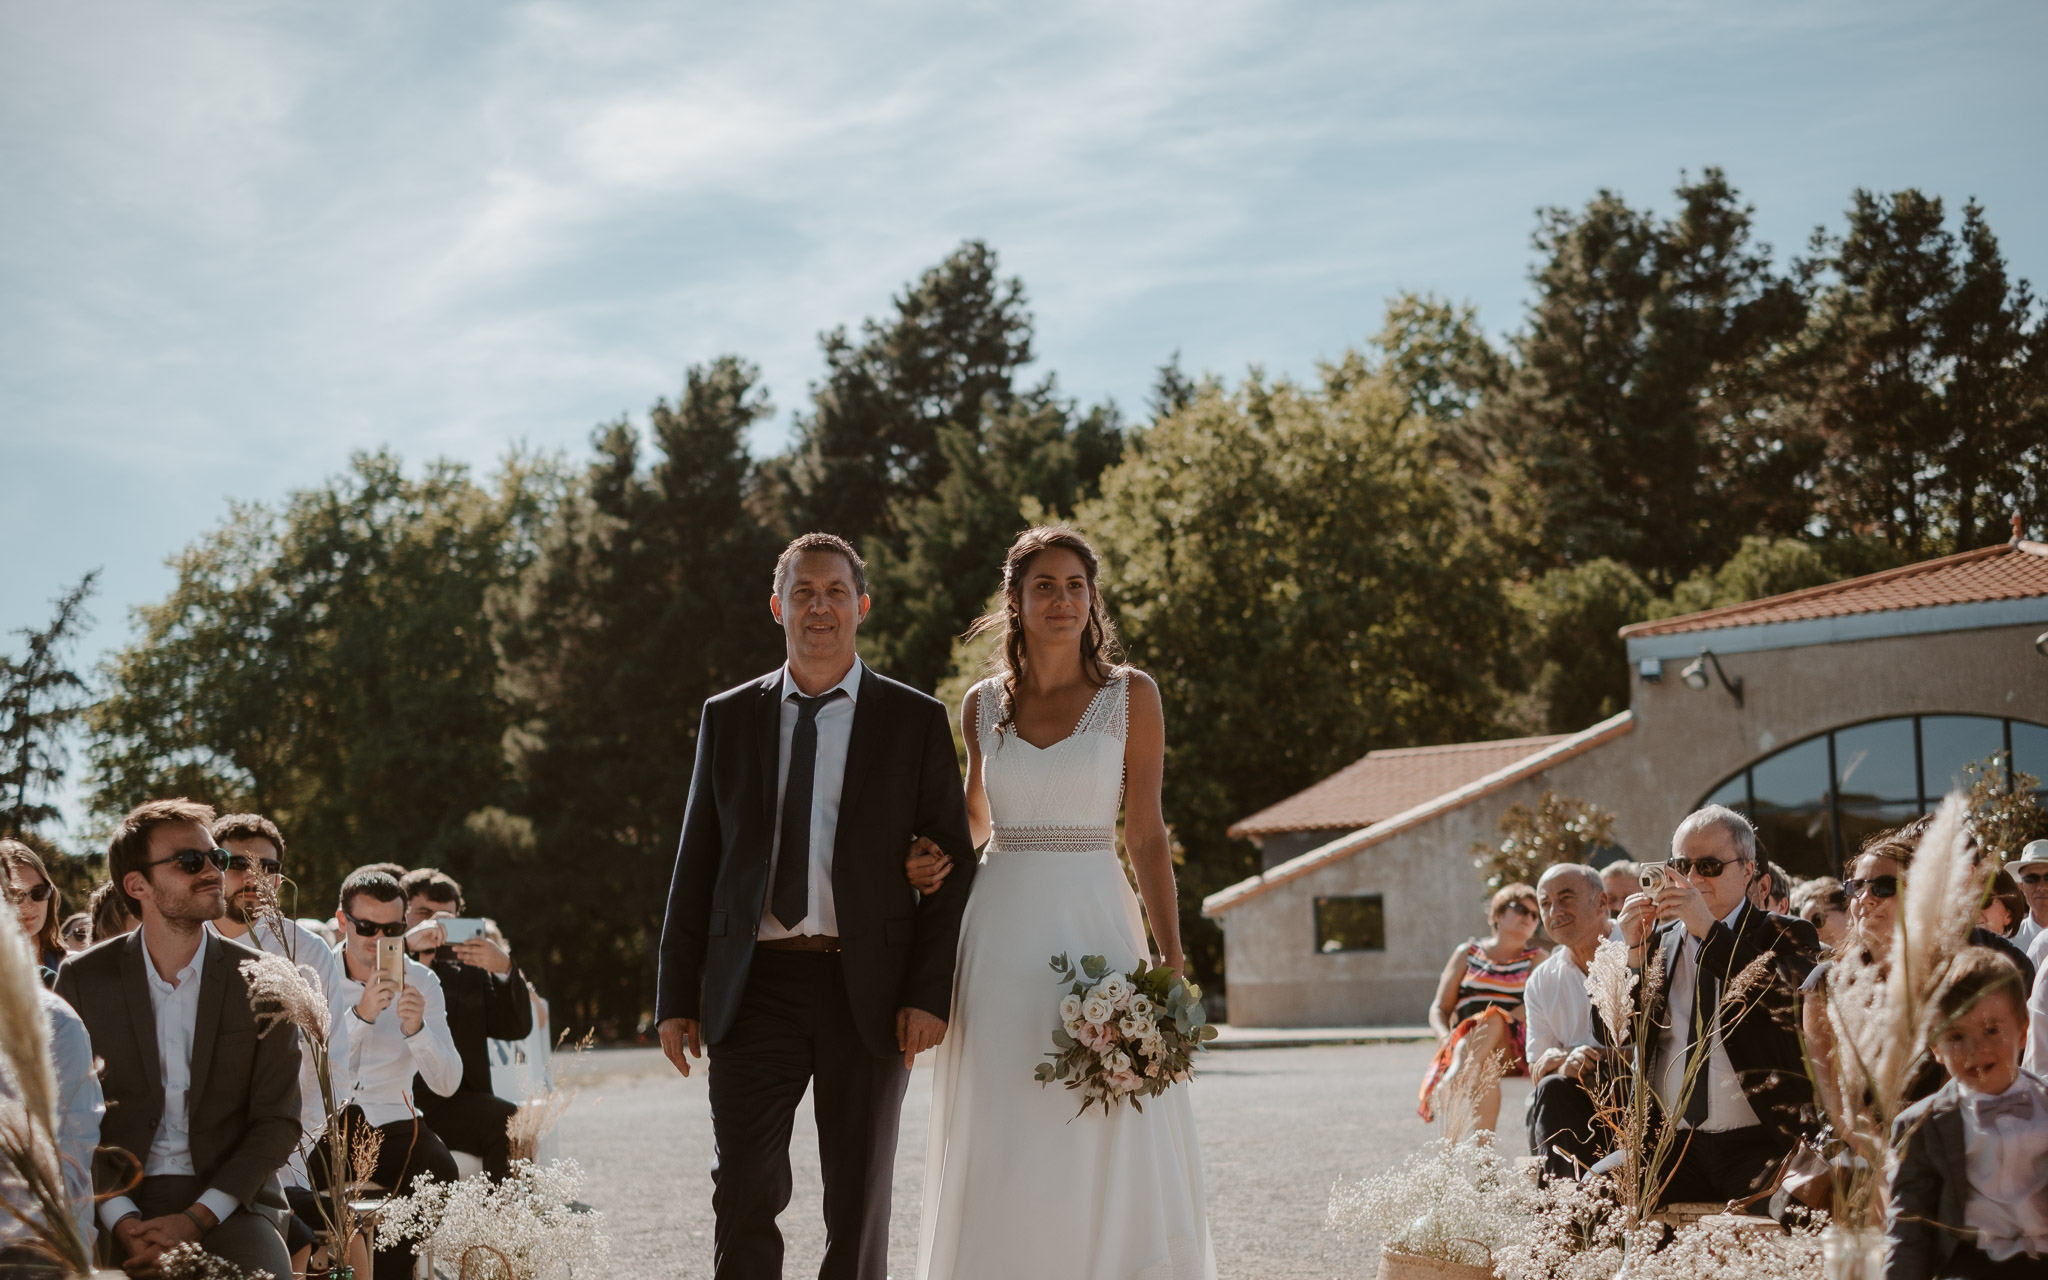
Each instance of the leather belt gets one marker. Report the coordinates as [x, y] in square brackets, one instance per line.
[801, 942]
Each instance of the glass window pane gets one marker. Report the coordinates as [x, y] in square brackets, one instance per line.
[1351, 924]
[2030, 749]
[1792, 808]
[1796, 839]
[1950, 744]
[1862, 821]
[1734, 793]
[1795, 778]
[1875, 762]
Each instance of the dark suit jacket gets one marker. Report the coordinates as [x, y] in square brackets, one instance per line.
[1763, 1044]
[482, 1007]
[1929, 1189]
[242, 1110]
[902, 780]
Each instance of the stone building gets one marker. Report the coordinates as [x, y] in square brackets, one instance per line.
[1824, 714]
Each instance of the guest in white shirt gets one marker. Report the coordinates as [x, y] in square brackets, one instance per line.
[1565, 1050]
[1970, 1195]
[395, 1032]
[2031, 870]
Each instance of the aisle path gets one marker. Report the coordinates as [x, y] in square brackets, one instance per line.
[1278, 1127]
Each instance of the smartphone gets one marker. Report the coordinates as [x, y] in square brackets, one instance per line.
[391, 959]
[1651, 876]
[460, 929]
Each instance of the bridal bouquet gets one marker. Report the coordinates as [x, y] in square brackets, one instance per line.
[1123, 1036]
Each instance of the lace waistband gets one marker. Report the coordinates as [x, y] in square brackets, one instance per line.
[1053, 839]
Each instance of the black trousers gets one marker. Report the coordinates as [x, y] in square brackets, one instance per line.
[1562, 1130]
[475, 1123]
[1732, 1164]
[409, 1151]
[795, 1029]
[1968, 1262]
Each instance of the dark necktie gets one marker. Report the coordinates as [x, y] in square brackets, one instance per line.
[1705, 1003]
[792, 899]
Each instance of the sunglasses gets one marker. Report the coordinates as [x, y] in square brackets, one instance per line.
[1522, 907]
[1711, 868]
[2034, 879]
[190, 861]
[40, 893]
[1879, 887]
[243, 862]
[370, 928]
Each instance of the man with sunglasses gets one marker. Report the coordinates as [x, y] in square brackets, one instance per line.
[1726, 1063]
[204, 1106]
[396, 1031]
[255, 870]
[2031, 870]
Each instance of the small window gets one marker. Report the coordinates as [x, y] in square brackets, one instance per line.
[1351, 924]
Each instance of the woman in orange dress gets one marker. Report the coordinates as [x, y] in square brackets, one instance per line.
[1478, 1007]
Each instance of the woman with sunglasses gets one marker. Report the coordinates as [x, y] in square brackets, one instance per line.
[36, 902]
[1478, 1008]
[1821, 903]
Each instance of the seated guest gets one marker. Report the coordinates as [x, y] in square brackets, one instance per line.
[1725, 1063]
[487, 1000]
[2005, 906]
[110, 918]
[1970, 1195]
[397, 1032]
[1618, 881]
[1771, 890]
[36, 903]
[76, 932]
[80, 1109]
[1478, 1009]
[1821, 903]
[2031, 870]
[255, 850]
[197, 1101]
[1566, 1050]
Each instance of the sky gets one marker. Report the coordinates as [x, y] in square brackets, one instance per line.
[239, 241]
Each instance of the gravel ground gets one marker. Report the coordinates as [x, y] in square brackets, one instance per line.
[1278, 1126]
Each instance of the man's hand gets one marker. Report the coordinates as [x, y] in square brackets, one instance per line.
[1550, 1060]
[681, 1040]
[927, 867]
[1580, 1062]
[146, 1239]
[1635, 920]
[1677, 899]
[917, 1031]
[412, 1011]
[378, 994]
[428, 935]
[480, 952]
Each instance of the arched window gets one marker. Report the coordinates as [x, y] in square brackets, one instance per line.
[1815, 801]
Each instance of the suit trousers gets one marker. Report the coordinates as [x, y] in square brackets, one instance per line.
[795, 1029]
[1562, 1130]
[407, 1151]
[474, 1122]
[247, 1238]
[1726, 1164]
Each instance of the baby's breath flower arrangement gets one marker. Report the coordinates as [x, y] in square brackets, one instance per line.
[1454, 1202]
[1574, 1231]
[190, 1262]
[523, 1228]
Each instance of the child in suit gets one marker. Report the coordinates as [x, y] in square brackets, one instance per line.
[1969, 1199]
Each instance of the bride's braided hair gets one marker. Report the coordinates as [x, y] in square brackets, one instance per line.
[1100, 652]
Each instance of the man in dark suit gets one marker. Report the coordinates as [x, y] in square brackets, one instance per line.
[1725, 1060]
[200, 1102]
[794, 945]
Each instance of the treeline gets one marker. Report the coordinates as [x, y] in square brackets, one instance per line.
[1433, 540]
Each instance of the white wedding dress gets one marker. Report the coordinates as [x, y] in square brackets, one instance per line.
[1016, 1185]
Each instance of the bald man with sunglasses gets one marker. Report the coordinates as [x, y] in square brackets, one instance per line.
[1726, 1064]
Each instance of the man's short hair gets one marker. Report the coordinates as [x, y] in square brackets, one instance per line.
[391, 869]
[1593, 877]
[248, 826]
[831, 542]
[128, 847]
[371, 883]
[1781, 883]
[1740, 833]
[433, 884]
[1978, 972]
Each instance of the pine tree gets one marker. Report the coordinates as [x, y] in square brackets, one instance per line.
[41, 697]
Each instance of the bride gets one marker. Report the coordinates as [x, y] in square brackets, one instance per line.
[1059, 738]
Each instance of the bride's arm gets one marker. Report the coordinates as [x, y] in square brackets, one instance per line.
[1145, 838]
[977, 799]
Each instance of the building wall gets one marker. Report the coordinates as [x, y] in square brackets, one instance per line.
[1683, 743]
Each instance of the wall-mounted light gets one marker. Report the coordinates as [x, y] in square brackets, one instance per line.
[2041, 644]
[1695, 675]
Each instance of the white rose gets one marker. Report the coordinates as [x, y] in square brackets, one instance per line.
[1070, 1007]
[1118, 988]
[1142, 1006]
[1134, 1027]
[1097, 1010]
[1118, 1061]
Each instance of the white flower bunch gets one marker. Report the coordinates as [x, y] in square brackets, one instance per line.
[1457, 1202]
[1574, 1231]
[1123, 1036]
[1720, 1248]
[525, 1222]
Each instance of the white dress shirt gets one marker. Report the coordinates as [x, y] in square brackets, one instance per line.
[2007, 1162]
[1557, 1011]
[309, 949]
[835, 731]
[177, 1020]
[1727, 1106]
[2027, 934]
[382, 1059]
[2036, 1058]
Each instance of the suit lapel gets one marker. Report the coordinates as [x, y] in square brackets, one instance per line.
[1674, 947]
[141, 1009]
[213, 987]
[768, 748]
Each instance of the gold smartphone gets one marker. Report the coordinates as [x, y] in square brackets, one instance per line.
[391, 959]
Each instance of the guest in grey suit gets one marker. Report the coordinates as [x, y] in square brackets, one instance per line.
[200, 1105]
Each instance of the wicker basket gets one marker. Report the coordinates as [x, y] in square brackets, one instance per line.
[1406, 1266]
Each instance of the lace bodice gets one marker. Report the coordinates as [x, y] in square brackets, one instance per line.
[1062, 798]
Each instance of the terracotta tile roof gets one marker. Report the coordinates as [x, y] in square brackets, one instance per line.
[1385, 783]
[2009, 571]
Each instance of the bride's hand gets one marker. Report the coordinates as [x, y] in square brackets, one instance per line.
[927, 866]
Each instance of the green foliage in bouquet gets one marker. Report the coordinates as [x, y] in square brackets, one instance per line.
[1123, 1036]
